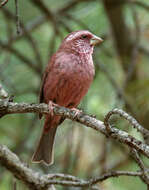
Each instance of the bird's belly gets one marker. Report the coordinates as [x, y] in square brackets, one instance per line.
[72, 89]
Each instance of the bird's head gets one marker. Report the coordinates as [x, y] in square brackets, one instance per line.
[81, 41]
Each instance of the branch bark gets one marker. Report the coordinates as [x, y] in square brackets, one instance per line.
[36, 181]
[121, 136]
[3, 93]
[3, 3]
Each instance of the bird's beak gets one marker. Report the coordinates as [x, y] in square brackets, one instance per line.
[95, 40]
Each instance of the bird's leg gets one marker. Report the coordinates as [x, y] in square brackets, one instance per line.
[77, 111]
[51, 107]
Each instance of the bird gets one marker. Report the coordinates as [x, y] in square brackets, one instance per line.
[66, 80]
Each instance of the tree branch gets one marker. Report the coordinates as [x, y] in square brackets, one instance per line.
[139, 3]
[129, 118]
[36, 181]
[144, 176]
[121, 136]
[3, 3]
[22, 57]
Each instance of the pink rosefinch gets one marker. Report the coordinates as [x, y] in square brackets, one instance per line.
[66, 80]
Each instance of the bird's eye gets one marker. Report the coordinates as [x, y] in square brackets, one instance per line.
[84, 36]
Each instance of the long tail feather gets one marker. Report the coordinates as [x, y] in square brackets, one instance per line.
[44, 151]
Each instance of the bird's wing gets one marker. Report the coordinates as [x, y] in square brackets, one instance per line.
[54, 77]
[41, 93]
[46, 72]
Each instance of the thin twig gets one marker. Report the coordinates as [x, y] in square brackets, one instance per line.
[128, 117]
[17, 17]
[3, 3]
[22, 57]
[139, 3]
[27, 34]
[144, 50]
[14, 184]
[144, 176]
[48, 13]
[119, 91]
[29, 27]
[71, 4]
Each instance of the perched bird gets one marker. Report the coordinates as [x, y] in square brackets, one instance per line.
[66, 80]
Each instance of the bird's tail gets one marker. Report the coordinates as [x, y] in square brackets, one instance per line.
[44, 151]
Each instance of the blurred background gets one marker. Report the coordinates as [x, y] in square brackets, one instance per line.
[27, 41]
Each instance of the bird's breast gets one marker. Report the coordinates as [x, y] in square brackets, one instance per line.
[82, 67]
[76, 81]
[68, 83]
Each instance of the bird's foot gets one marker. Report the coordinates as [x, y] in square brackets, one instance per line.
[51, 107]
[77, 112]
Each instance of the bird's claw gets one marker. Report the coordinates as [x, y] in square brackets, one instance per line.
[51, 107]
[77, 112]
